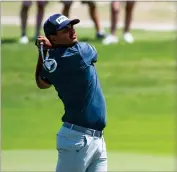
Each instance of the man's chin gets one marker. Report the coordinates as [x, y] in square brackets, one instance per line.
[74, 40]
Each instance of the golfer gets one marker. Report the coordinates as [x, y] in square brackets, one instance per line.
[68, 65]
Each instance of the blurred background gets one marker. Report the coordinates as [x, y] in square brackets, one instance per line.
[137, 70]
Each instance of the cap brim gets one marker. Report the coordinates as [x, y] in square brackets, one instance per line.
[74, 21]
[65, 23]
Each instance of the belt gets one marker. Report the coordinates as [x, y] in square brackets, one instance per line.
[88, 131]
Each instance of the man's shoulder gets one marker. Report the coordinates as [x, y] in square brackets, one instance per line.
[86, 49]
[79, 46]
[83, 46]
[77, 49]
[71, 51]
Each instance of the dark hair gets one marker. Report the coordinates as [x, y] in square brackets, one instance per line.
[50, 28]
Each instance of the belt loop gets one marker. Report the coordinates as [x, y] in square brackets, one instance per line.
[72, 125]
[94, 133]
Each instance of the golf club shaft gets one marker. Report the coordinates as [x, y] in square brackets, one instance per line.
[42, 50]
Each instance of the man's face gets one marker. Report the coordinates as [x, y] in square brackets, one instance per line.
[66, 36]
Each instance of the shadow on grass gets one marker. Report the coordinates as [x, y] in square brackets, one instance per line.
[9, 40]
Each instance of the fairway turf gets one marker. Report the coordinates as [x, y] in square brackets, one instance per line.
[45, 160]
[138, 81]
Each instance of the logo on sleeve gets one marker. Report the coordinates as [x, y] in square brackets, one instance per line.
[50, 65]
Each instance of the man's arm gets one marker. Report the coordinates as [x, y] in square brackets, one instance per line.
[42, 84]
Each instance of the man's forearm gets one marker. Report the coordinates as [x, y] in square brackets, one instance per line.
[40, 83]
[38, 67]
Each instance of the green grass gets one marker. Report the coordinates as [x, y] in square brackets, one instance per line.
[45, 160]
[138, 81]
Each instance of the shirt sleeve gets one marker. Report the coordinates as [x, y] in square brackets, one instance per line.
[43, 76]
[88, 53]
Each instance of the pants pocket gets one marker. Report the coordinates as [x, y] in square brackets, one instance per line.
[71, 143]
[83, 145]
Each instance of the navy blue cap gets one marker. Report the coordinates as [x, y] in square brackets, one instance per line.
[57, 22]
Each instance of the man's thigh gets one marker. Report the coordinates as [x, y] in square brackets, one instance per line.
[29, 3]
[101, 164]
[88, 2]
[26, 3]
[41, 3]
[69, 2]
[72, 147]
[67, 162]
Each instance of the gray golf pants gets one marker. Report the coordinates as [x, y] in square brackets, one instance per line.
[79, 152]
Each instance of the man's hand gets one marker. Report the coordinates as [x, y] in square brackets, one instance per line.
[46, 42]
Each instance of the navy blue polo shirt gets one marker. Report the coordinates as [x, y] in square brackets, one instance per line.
[76, 81]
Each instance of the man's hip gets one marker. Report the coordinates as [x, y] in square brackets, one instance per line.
[79, 146]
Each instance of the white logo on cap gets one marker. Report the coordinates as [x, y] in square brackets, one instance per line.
[61, 19]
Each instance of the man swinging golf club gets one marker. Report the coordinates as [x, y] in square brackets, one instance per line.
[69, 67]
